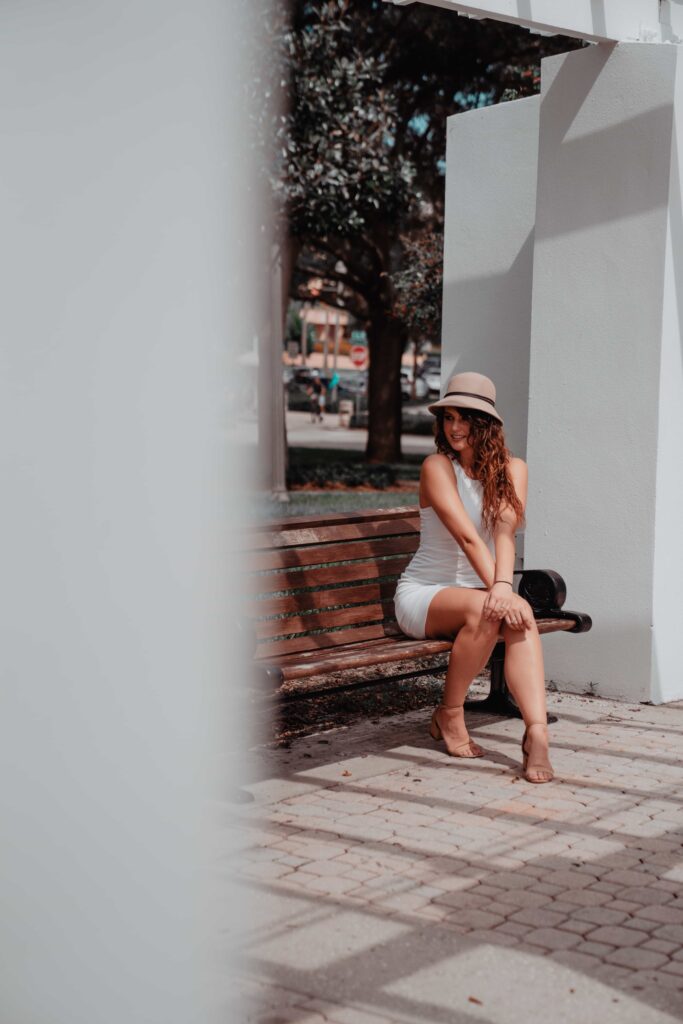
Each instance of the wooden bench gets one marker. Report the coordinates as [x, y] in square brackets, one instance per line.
[322, 592]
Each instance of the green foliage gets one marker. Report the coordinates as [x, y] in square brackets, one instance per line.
[338, 167]
[418, 285]
[341, 474]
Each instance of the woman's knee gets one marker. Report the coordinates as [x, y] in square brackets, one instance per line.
[486, 630]
[512, 635]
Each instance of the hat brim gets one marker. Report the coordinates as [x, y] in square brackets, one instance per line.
[466, 403]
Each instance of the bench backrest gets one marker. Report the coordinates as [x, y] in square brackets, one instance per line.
[324, 581]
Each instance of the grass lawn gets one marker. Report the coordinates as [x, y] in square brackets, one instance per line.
[311, 502]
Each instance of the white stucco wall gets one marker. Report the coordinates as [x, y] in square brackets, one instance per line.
[122, 200]
[488, 253]
[604, 312]
[667, 672]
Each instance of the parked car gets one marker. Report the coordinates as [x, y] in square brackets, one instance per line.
[430, 371]
[421, 390]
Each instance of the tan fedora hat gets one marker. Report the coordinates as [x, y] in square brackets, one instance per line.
[469, 391]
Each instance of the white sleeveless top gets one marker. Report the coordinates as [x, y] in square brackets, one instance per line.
[439, 558]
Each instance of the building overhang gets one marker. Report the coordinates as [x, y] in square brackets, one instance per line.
[597, 21]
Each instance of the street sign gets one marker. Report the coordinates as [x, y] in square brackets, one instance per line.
[359, 356]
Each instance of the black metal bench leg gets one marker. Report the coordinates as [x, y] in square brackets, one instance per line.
[499, 700]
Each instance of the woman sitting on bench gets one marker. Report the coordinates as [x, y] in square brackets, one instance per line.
[472, 498]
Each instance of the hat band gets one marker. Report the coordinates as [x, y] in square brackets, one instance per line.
[471, 394]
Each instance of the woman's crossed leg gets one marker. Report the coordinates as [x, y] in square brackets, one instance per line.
[458, 610]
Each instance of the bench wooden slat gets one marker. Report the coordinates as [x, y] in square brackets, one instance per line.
[318, 576]
[382, 651]
[288, 558]
[294, 624]
[365, 593]
[334, 518]
[358, 655]
[340, 532]
[267, 651]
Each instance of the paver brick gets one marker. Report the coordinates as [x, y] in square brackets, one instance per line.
[522, 898]
[575, 960]
[670, 932]
[626, 905]
[586, 897]
[607, 887]
[552, 938]
[645, 896]
[330, 868]
[470, 917]
[536, 917]
[612, 974]
[292, 861]
[660, 914]
[578, 927]
[546, 889]
[513, 928]
[624, 877]
[670, 981]
[660, 946]
[562, 906]
[595, 949]
[617, 935]
[331, 886]
[461, 899]
[636, 958]
[359, 875]
[600, 915]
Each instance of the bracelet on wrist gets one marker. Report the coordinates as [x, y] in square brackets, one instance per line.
[509, 582]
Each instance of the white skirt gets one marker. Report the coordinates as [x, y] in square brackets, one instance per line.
[411, 604]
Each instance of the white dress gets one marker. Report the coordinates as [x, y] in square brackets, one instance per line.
[439, 560]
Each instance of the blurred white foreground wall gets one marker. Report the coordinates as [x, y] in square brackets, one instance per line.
[123, 211]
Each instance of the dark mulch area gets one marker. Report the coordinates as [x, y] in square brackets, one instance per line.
[340, 700]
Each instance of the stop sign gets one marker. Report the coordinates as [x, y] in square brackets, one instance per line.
[359, 356]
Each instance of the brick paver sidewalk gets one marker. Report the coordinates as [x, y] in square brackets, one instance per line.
[391, 882]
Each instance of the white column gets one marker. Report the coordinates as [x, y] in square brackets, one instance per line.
[488, 252]
[606, 386]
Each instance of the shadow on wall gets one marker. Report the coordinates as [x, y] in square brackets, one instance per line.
[594, 195]
[475, 304]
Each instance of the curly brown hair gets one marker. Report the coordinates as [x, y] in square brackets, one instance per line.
[490, 463]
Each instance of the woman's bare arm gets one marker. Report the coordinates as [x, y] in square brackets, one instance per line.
[506, 528]
[501, 601]
[438, 488]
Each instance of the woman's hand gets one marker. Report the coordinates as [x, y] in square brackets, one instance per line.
[498, 601]
[519, 615]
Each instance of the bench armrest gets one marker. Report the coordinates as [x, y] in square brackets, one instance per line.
[546, 592]
[544, 589]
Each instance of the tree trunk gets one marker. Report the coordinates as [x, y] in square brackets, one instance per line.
[291, 247]
[384, 390]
